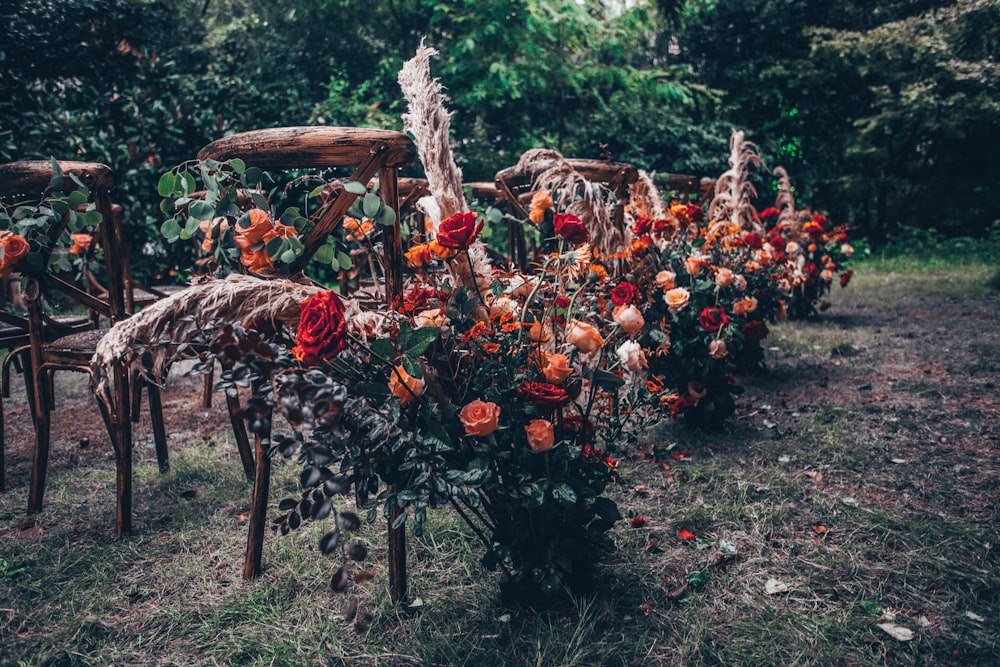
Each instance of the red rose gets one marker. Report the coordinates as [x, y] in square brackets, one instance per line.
[811, 270]
[712, 319]
[570, 228]
[769, 215]
[778, 242]
[543, 394]
[642, 226]
[459, 231]
[624, 293]
[322, 329]
[845, 277]
[753, 240]
[755, 330]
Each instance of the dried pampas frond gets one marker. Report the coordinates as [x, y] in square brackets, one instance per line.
[158, 331]
[733, 191]
[591, 202]
[785, 201]
[429, 123]
[646, 197]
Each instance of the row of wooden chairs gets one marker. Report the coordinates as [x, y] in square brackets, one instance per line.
[38, 341]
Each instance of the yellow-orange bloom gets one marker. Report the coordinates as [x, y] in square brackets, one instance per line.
[404, 386]
[419, 255]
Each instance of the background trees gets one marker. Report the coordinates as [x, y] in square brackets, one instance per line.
[884, 113]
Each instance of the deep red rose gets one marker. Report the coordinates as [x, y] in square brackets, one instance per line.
[769, 215]
[642, 226]
[692, 213]
[575, 425]
[712, 319]
[753, 240]
[562, 302]
[543, 394]
[420, 298]
[811, 270]
[624, 293]
[322, 329]
[755, 330]
[459, 231]
[779, 256]
[778, 242]
[570, 228]
[814, 228]
[660, 225]
[845, 277]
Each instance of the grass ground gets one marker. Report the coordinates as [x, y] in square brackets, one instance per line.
[857, 488]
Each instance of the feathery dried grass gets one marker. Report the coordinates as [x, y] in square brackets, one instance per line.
[646, 197]
[591, 202]
[159, 330]
[429, 123]
[785, 200]
[733, 191]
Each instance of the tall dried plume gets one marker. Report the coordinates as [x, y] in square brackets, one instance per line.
[734, 193]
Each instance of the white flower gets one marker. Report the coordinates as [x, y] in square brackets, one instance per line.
[631, 355]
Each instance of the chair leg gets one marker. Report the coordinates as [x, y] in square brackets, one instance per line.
[3, 480]
[240, 432]
[258, 511]
[206, 392]
[159, 431]
[122, 440]
[40, 462]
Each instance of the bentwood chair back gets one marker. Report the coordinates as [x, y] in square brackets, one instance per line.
[370, 153]
[29, 181]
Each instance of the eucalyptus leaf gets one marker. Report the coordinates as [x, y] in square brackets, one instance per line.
[355, 188]
[165, 186]
[371, 205]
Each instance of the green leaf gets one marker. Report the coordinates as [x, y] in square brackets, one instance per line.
[188, 185]
[344, 260]
[419, 340]
[355, 188]
[386, 216]
[165, 186]
[92, 218]
[324, 254]
[275, 247]
[191, 226]
[238, 165]
[382, 348]
[371, 205]
[260, 201]
[493, 215]
[170, 229]
[399, 521]
[564, 494]
[607, 381]
[199, 210]
[288, 256]
[697, 578]
[77, 198]
[251, 176]
[317, 191]
[411, 366]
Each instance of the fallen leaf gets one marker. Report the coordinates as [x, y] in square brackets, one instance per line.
[682, 454]
[899, 461]
[189, 494]
[678, 592]
[685, 534]
[972, 616]
[362, 577]
[639, 488]
[363, 621]
[820, 529]
[849, 501]
[897, 631]
[646, 609]
[243, 516]
[784, 458]
[638, 521]
[773, 586]
[351, 610]
[671, 479]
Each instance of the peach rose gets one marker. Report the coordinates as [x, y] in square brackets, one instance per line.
[792, 248]
[717, 349]
[629, 318]
[404, 386]
[432, 317]
[541, 200]
[480, 417]
[631, 356]
[739, 282]
[441, 251]
[81, 243]
[501, 306]
[557, 368]
[541, 435]
[256, 261]
[724, 277]
[826, 276]
[584, 336]
[539, 332]
[695, 265]
[677, 299]
[745, 306]
[751, 266]
[260, 225]
[847, 249]
[15, 248]
[665, 279]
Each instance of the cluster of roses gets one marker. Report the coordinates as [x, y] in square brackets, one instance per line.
[813, 252]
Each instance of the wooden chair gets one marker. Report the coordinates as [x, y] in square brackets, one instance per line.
[369, 152]
[48, 353]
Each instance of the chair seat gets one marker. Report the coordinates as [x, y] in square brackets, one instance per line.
[83, 343]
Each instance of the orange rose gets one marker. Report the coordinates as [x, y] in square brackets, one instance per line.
[745, 306]
[584, 336]
[256, 261]
[212, 229]
[541, 200]
[629, 318]
[724, 277]
[479, 417]
[404, 386]
[81, 243]
[15, 248]
[419, 255]
[557, 368]
[541, 435]
[539, 333]
[536, 215]
[677, 299]
[665, 279]
[695, 265]
[251, 235]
